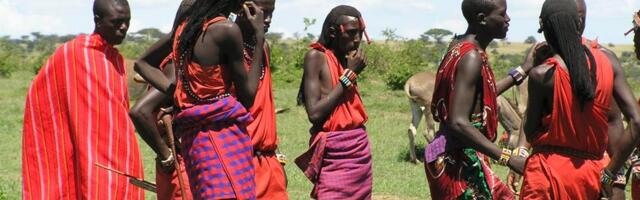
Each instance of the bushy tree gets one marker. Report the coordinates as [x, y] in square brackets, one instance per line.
[530, 40]
[437, 34]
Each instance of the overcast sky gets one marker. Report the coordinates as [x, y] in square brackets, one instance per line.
[607, 20]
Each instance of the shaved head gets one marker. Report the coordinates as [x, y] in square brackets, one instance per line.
[111, 18]
[471, 8]
[103, 7]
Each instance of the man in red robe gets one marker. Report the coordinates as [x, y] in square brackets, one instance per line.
[270, 176]
[567, 120]
[615, 125]
[144, 115]
[76, 117]
[338, 162]
[213, 92]
[465, 104]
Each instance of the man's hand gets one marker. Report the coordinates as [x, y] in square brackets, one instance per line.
[255, 16]
[513, 181]
[167, 167]
[537, 54]
[357, 61]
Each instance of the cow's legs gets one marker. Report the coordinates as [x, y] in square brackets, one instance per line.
[430, 129]
[416, 116]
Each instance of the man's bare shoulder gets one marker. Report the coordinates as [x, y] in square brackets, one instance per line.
[470, 61]
[314, 55]
[541, 74]
[223, 29]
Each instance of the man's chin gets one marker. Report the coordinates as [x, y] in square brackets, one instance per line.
[117, 42]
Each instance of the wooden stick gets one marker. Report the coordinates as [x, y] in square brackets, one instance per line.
[132, 179]
[166, 120]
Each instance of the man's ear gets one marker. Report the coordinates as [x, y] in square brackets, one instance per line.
[96, 19]
[482, 19]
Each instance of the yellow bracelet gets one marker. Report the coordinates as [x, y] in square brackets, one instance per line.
[520, 152]
[504, 157]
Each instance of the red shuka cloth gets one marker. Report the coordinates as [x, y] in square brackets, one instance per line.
[350, 114]
[270, 177]
[168, 185]
[450, 182]
[550, 175]
[445, 88]
[76, 116]
[338, 161]
[205, 81]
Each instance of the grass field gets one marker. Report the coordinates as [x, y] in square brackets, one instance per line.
[517, 48]
[389, 115]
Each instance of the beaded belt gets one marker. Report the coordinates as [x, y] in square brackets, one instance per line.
[566, 151]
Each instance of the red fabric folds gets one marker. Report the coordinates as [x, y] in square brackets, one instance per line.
[445, 88]
[76, 116]
[551, 175]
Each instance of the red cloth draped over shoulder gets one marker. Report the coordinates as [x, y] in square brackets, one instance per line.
[571, 126]
[77, 115]
[205, 81]
[552, 175]
[270, 178]
[445, 87]
[350, 114]
[263, 129]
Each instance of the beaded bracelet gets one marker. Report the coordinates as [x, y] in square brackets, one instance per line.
[167, 162]
[504, 157]
[520, 152]
[351, 75]
[345, 81]
[518, 74]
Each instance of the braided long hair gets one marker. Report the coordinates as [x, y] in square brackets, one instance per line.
[560, 23]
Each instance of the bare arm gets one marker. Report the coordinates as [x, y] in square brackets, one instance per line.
[626, 101]
[147, 64]
[507, 82]
[232, 46]
[537, 54]
[145, 121]
[616, 128]
[540, 85]
[318, 107]
[467, 79]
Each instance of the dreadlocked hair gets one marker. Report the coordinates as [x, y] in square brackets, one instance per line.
[331, 23]
[560, 23]
[185, 5]
[197, 15]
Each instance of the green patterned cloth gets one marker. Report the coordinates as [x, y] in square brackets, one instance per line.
[477, 187]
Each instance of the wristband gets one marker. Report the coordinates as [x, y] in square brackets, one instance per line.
[505, 157]
[517, 74]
